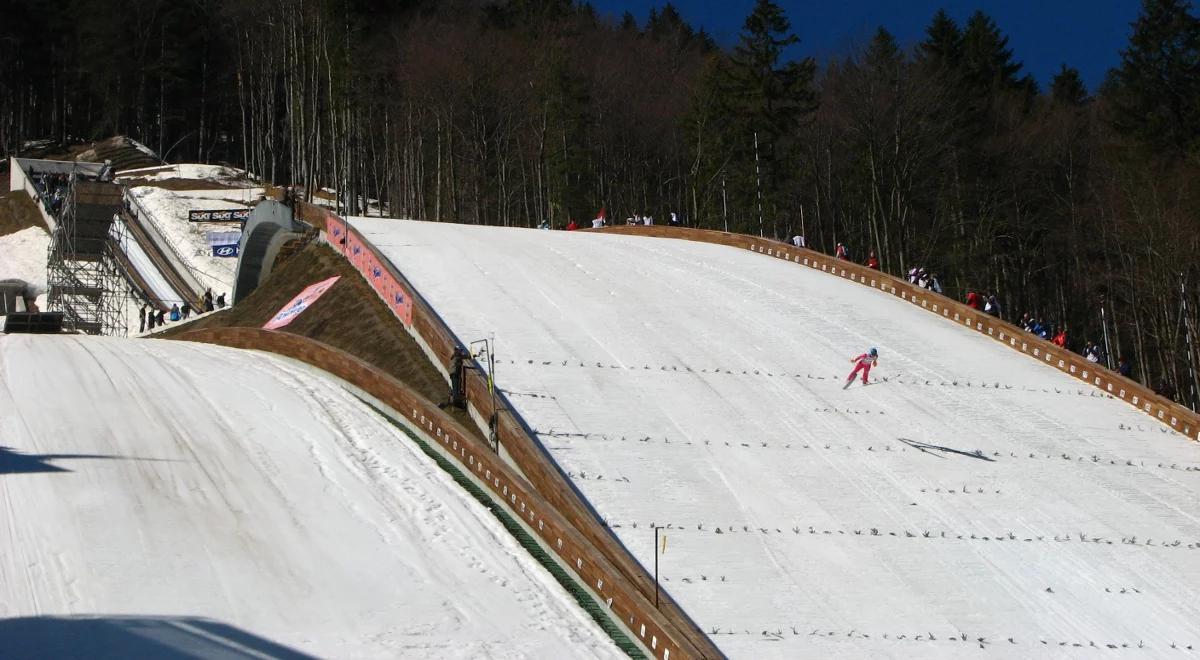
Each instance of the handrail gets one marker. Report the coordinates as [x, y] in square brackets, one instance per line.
[1168, 412]
[558, 532]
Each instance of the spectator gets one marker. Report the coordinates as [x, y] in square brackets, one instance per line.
[1091, 352]
[150, 320]
[923, 279]
[972, 299]
[457, 369]
[872, 262]
[159, 319]
[1025, 322]
[598, 222]
[142, 319]
[1045, 330]
[545, 225]
[914, 274]
[572, 226]
[1165, 389]
[208, 300]
[174, 312]
[221, 301]
[798, 241]
[934, 284]
[674, 221]
[1060, 338]
[647, 221]
[992, 306]
[1124, 368]
[186, 310]
[841, 252]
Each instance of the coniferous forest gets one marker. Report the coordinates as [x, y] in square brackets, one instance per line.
[1078, 205]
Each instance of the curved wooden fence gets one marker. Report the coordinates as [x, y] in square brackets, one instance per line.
[567, 531]
[1168, 412]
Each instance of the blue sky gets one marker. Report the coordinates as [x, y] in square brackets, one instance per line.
[1042, 34]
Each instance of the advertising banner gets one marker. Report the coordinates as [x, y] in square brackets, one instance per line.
[219, 215]
[300, 303]
[393, 293]
[223, 243]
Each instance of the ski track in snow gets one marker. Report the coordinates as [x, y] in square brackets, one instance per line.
[936, 513]
[251, 490]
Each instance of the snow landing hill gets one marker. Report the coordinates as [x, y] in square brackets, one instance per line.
[168, 192]
[970, 502]
[185, 500]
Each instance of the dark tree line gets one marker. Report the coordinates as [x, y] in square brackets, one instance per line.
[1062, 201]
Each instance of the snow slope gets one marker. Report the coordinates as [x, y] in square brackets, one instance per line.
[970, 502]
[23, 257]
[196, 171]
[159, 478]
[159, 287]
[169, 212]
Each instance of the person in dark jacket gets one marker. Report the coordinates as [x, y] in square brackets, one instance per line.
[186, 310]
[150, 320]
[208, 300]
[221, 301]
[457, 371]
[1124, 368]
[142, 319]
[159, 320]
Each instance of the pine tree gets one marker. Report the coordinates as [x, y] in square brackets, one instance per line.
[772, 94]
[1067, 87]
[1156, 88]
[884, 52]
[987, 62]
[943, 44]
[764, 99]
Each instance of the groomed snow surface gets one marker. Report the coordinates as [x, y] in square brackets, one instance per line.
[165, 479]
[23, 257]
[168, 210]
[969, 502]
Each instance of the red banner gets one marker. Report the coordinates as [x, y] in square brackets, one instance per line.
[394, 294]
[300, 303]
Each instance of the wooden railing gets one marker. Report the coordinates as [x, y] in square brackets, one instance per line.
[1168, 412]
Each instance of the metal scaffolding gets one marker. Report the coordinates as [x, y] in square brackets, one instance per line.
[86, 280]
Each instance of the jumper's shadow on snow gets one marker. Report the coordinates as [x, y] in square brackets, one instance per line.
[16, 462]
[112, 637]
[926, 448]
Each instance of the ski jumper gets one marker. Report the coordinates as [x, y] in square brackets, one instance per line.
[863, 363]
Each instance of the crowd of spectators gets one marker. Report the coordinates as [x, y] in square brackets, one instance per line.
[52, 189]
[989, 304]
[149, 318]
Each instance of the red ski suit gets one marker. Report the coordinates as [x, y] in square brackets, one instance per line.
[863, 363]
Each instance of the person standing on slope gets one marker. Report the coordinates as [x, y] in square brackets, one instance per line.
[863, 363]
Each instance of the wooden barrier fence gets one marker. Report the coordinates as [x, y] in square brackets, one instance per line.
[1168, 412]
